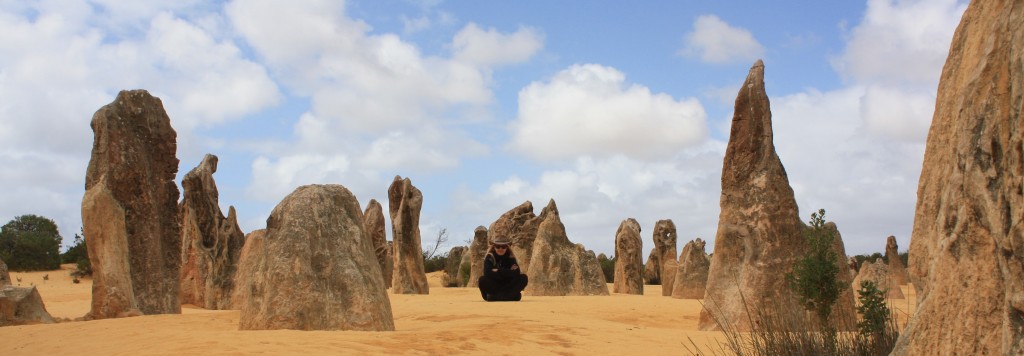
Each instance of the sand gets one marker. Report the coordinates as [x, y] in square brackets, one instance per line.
[447, 321]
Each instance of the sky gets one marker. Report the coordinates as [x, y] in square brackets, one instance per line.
[613, 109]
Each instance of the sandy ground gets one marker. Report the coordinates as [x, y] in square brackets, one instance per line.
[447, 321]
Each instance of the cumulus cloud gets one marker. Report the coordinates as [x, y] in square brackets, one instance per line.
[715, 41]
[490, 47]
[590, 110]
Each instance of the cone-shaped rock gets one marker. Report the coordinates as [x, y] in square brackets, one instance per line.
[652, 269]
[967, 244]
[210, 243]
[558, 267]
[519, 225]
[477, 251]
[404, 203]
[22, 305]
[759, 229]
[317, 268]
[375, 227]
[665, 242]
[878, 272]
[244, 277]
[629, 263]
[897, 271]
[692, 274]
[130, 209]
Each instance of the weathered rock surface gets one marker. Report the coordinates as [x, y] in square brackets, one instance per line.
[897, 271]
[759, 233]
[452, 265]
[879, 273]
[465, 268]
[5, 276]
[844, 312]
[210, 243]
[404, 203]
[853, 266]
[558, 267]
[967, 244]
[316, 268]
[629, 263]
[247, 266]
[22, 305]
[665, 242]
[519, 225]
[692, 275]
[130, 209]
[652, 269]
[375, 227]
[477, 251]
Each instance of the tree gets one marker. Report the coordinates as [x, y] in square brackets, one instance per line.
[79, 255]
[814, 277]
[30, 243]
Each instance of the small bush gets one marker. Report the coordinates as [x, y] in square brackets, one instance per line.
[79, 255]
[608, 267]
[466, 268]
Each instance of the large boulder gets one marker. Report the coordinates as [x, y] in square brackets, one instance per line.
[5, 276]
[629, 261]
[247, 266]
[404, 203]
[878, 272]
[967, 244]
[130, 209]
[652, 268]
[665, 243]
[519, 225]
[375, 227]
[477, 251]
[692, 275]
[317, 268]
[210, 243]
[558, 267]
[22, 305]
[760, 234]
[897, 271]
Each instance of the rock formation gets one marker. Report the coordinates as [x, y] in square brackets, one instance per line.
[520, 226]
[477, 251]
[5, 276]
[692, 275]
[665, 242]
[853, 266]
[558, 267]
[878, 272]
[210, 243]
[452, 265]
[244, 277]
[629, 263]
[22, 305]
[967, 243]
[897, 272]
[404, 203]
[844, 312]
[652, 269]
[316, 268]
[465, 268]
[375, 227]
[130, 209]
[759, 233]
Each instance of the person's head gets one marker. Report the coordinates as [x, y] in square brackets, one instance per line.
[501, 246]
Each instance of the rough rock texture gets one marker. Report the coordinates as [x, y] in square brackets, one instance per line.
[452, 264]
[844, 312]
[246, 266]
[465, 268]
[520, 226]
[878, 272]
[375, 227]
[210, 243]
[692, 275]
[130, 209]
[404, 203]
[22, 305]
[558, 267]
[967, 244]
[897, 271]
[477, 251]
[317, 268]
[629, 263]
[853, 266]
[759, 229]
[5, 276]
[652, 269]
[665, 242]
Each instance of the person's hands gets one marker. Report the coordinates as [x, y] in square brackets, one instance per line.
[494, 269]
[515, 267]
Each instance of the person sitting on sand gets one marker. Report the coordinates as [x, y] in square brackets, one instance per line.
[502, 279]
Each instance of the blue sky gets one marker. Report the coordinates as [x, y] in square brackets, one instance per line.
[614, 109]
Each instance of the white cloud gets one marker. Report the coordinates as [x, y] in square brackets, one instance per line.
[900, 114]
[488, 48]
[589, 110]
[715, 41]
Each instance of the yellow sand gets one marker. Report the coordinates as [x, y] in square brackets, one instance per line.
[447, 321]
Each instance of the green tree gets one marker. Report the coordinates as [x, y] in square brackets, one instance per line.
[79, 255]
[30, 243]
[874, 313]
[814, 277]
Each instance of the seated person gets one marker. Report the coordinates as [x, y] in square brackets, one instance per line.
[502, 279]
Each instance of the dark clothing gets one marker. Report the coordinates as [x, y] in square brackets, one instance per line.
[505, 284]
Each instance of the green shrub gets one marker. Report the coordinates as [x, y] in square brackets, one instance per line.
[30, 243]
[79, 255]
[815, 276]
[608, 267]
[466, 268]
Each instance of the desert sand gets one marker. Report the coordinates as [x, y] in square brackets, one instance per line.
[447, 321]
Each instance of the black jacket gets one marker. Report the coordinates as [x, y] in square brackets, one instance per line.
[503, 264]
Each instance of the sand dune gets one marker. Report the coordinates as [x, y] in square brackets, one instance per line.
[448, 321]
